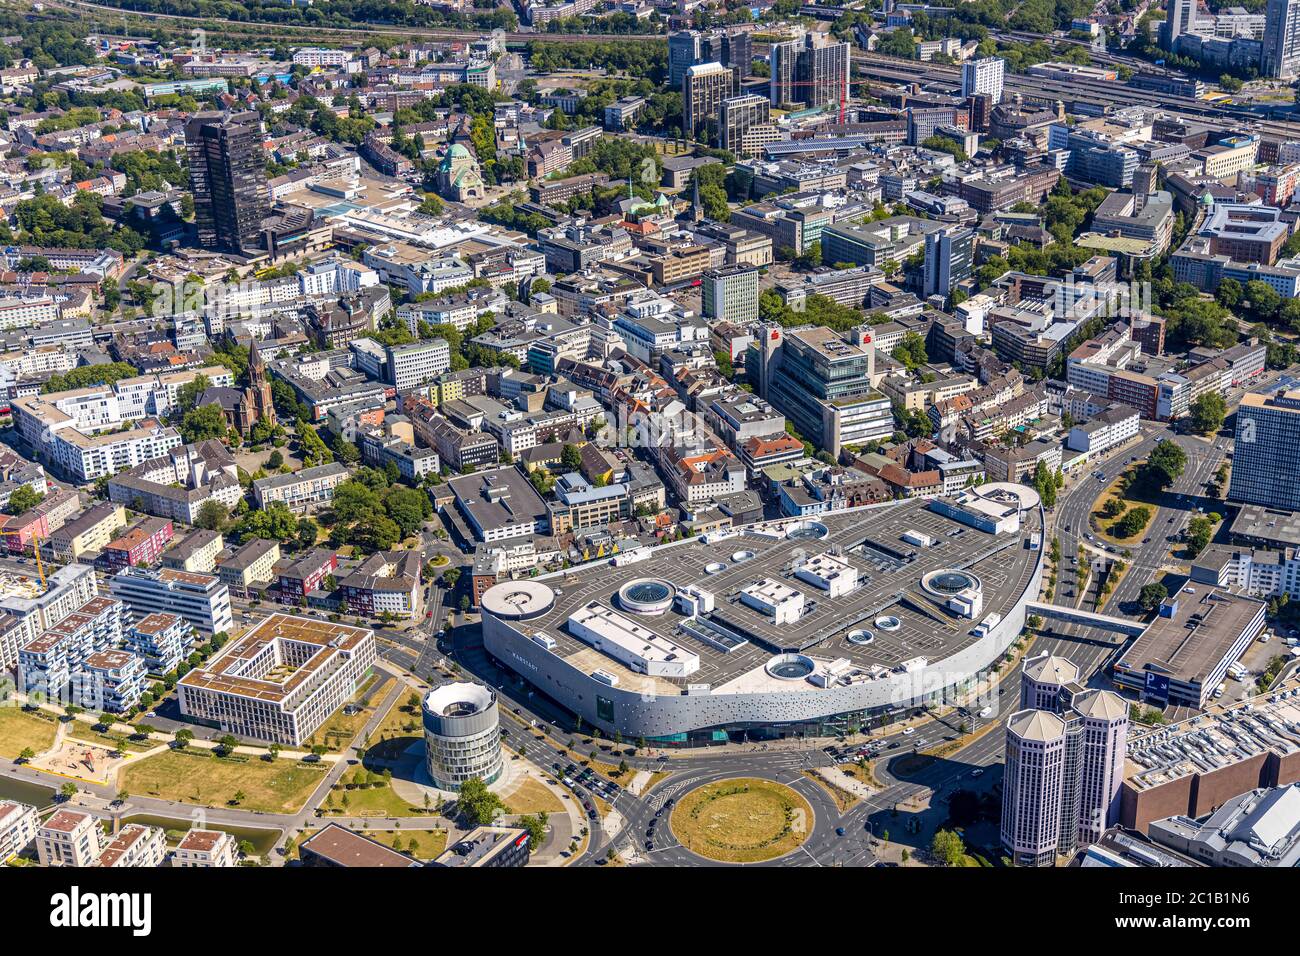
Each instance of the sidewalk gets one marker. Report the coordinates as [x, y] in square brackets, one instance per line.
[127, 730]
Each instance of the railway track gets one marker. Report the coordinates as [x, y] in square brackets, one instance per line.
[318, 32]
[874, 65]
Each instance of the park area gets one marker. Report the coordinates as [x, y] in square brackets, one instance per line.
[22, 730]
[1122, 514]
[743, 820]
[199, 777]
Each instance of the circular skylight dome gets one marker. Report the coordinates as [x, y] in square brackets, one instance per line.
[948, 582]
[646, 596]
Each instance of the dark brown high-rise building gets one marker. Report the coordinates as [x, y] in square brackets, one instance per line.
[228, 179]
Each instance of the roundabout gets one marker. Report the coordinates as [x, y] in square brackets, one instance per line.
[742, 820]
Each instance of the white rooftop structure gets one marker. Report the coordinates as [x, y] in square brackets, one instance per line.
[781, 602]
[634, 645]
[830, 573]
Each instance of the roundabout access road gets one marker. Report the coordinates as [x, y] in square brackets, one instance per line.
[821, 848]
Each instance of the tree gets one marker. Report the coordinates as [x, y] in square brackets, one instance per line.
[535, 825]
[1045, 484]
[187, 396]
[1199, 532]
[227, 744]
[1208, 412]
[1133, 523]
[22, 498]
[201, 424]
[911, 351]
[183, 738]
[1165, 464]
[571, 457]
[477, 803]
[1151, 595]
[68, 791]
[948, 848]
[212, 515]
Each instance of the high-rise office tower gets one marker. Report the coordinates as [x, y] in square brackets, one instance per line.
[1041, 680]
[823, 385]
[730, 294]
[1033, 787]
[1181, 19]
[810, 73]
[949, 259]
[1282, 39]
[1266, 455]
[983, 76]
[1064, 763]
[704, 88]
[228, 179]
[738, 52]
[1103, 742]
[684, 51]
[736, 116]
[688, 48]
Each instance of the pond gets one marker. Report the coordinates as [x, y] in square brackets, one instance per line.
[30, 793]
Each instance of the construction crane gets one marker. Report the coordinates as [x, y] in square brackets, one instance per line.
[36, 549]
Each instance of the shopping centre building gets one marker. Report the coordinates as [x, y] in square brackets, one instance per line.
[781, 628]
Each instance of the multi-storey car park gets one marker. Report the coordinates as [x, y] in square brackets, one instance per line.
[781, 628]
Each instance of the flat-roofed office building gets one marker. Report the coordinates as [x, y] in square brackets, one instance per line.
[280, 681]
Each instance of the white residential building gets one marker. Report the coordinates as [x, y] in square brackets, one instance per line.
[983, 77]
[70, 838]
[134, 845]
[205, 848]
[200, 599]
[18, 825]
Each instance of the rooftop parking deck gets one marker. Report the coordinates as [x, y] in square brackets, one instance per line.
[887, 621]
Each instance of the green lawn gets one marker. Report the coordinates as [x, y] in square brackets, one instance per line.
[19, 730]
[428, 843]
[381, 801]
[744, 820]
[279, 787]
[83, 731]
[337, 731]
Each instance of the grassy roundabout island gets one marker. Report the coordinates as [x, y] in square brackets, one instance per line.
[742, 820]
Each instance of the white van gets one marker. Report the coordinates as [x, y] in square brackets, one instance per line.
[1218, 691]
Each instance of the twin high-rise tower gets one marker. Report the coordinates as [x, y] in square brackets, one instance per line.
[1064, 763]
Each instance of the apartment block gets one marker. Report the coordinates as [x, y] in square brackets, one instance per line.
[205, 848]
[139, 546]
[306, 575]
[200, 599]
[161, 641]
[70, 838]
[51, 664]
[18, 826]
[254, 563]
[90, 531]
[197, 552]
[134, 844]
[301, 491]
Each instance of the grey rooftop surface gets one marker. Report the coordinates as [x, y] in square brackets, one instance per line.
[889, 575]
